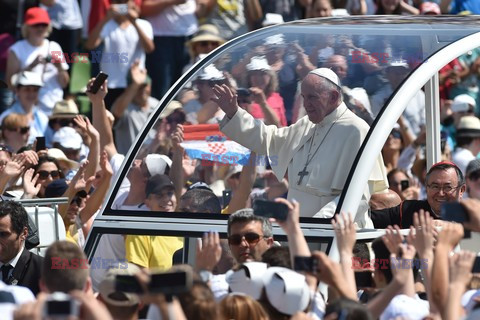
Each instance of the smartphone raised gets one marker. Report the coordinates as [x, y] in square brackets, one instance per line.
[97, 83]
[405, 184]
[364, 279]
[305, 264]
[170, 283]
[40, 145]
[270, 209]
[226, 197]
[127, 283]
[453, 211]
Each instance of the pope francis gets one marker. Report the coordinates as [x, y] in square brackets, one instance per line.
[318, 150]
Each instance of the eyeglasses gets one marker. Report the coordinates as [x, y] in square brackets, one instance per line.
[208, 43]
[447, 188]
[252, 238]
[43, 174]
[21, 130]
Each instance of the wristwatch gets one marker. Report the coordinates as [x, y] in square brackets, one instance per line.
[205, 275]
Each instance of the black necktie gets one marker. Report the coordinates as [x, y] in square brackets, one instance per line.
[5, 271]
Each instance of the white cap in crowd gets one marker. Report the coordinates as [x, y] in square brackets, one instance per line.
[286, 290]
[68, 138]
[211, 73]
[248, 279]
[157, 163]
[258, 63]
[27, 78]
[406, 307]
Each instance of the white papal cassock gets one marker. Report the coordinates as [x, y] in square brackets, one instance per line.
[288, 147]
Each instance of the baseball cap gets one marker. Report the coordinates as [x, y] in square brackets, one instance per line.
[64, 109]
[405, 307]
[107, 290]
[36, 15]
[68, 138]
[286, 290]
[327, 74]
[61, 157]
[463, 102]
[157, 163]
[157, 183]
[211, 73]
[258, 63]
[277, 40]
[56, 188]
[27, 78]
[248, 279]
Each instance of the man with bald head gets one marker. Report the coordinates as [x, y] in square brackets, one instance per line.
[318, 150]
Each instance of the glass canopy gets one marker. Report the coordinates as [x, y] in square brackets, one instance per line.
[373, 56]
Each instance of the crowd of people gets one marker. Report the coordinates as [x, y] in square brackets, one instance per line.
[288, 101]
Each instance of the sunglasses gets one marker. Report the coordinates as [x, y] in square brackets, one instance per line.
[79, 197]
[43, 174]
[208, 43]
[21, 130]
[396, 134]
[252, 238]
[240, 101]
[6, 148]
[40, 25]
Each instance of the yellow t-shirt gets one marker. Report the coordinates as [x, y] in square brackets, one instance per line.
[152, 251]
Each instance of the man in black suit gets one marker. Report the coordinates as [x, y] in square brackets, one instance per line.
[18, 266]
[444, 183]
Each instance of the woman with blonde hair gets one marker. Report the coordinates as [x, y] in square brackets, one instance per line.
[241, 307]
[15, 131]
[39, 55]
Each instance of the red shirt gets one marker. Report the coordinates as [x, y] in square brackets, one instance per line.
[275, 101]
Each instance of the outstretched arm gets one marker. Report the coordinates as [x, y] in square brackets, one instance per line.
[100, 119]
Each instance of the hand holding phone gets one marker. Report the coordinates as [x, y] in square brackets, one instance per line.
[453, 211]
[60, 305]
[305, 264]
[40, 145]
[99, 80]
[270, 209]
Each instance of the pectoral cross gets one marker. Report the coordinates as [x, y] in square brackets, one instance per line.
[302, 174]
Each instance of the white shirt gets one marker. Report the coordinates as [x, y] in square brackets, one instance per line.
[177, 20]
[122, 48]
[51, 92]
